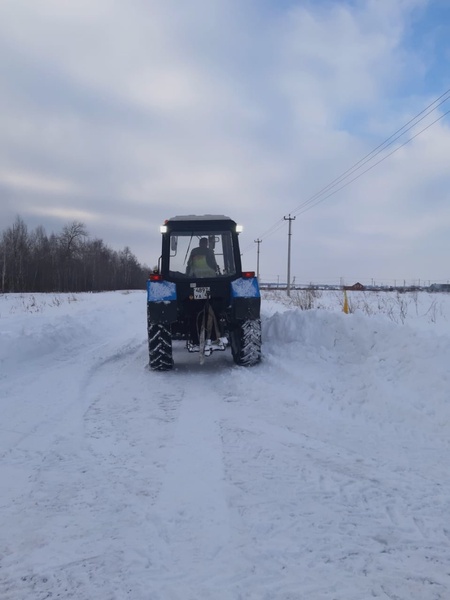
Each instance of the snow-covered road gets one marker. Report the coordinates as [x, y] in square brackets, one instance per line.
[320, 474]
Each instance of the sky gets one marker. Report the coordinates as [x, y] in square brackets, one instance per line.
[123, 114]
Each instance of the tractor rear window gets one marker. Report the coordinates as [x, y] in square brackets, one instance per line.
[201, 254]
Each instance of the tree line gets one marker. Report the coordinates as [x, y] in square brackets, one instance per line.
[70, 261]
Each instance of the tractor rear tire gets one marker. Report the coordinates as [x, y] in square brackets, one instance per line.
[246, 343]
[160, 347]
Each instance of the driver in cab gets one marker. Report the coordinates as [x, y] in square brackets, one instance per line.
[202, 262]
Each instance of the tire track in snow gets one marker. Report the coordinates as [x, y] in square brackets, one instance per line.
[191, 512]
[336, 487]
[60, 504]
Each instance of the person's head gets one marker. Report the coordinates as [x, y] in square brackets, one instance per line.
[203, 242]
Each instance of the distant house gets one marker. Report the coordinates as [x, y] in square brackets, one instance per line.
[439, 287]
[356, 286]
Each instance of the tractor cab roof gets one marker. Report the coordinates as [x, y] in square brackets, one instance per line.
[200, 222]
[200, 218]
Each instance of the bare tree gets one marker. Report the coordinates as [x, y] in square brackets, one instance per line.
[70, 240]
[71, 235]
[15, 244]
[68, 261]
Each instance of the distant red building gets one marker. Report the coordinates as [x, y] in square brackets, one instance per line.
[356, 286]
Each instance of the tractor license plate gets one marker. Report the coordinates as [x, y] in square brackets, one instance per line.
[201, 293]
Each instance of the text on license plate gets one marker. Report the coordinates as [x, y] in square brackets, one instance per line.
[201, 293]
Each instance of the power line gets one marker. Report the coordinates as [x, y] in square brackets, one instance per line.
[387, 142]
[319, 200]
[322, 194]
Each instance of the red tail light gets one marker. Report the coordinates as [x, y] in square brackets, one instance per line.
[248, 274]
[155, 277]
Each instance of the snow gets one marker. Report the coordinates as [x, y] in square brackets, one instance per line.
[159, 291]
[245, 288]
[320, 474]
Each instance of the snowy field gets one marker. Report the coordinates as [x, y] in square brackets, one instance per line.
[321, 474]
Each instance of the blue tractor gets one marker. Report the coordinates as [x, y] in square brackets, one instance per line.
[200, 294]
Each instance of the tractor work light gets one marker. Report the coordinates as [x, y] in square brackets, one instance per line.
[239, 229]
[163, 228]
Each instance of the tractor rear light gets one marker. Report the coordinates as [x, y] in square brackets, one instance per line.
[155, 277]
[248, 274]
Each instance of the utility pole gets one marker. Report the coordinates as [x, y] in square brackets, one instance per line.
[290, 219]
[258, 241]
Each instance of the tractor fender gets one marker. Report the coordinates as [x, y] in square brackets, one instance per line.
[245, 298]
[161, 301]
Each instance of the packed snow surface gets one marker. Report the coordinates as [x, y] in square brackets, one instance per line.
[320, 474]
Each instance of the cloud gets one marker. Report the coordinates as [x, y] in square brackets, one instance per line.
[67, 214]
[36, 182]
[129, 113]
